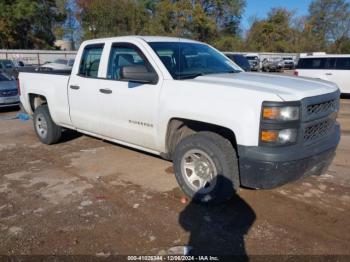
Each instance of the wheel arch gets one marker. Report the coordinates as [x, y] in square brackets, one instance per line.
[179, 128]
[36, 100]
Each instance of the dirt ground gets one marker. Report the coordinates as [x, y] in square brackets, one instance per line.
[88, 196]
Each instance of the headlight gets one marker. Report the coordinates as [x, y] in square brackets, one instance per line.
[287, 113]
[279, 137]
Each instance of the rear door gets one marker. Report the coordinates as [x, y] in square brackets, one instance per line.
[313, 67]
[341, 74]
[83, 90]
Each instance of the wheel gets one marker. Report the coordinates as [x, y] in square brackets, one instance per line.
[47, 131]
[206, 167]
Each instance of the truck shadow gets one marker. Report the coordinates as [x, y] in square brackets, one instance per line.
[218, 230]
[69, 135]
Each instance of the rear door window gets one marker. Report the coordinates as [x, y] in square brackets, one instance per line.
[90, 61]
[330, 63]
[312, 63]
[342, 63]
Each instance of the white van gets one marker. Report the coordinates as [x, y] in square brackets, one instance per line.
[334, 68]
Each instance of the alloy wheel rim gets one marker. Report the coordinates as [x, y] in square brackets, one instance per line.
[41, 125]
[199, 171]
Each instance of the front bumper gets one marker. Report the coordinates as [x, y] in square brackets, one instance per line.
[9, 101]
[266, 168]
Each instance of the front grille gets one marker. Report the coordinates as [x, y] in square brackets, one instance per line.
[319, 117]
[318, 130]
[322, 108]
[5, 93]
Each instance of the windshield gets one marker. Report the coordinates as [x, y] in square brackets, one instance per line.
[189, 60]
[4, 77]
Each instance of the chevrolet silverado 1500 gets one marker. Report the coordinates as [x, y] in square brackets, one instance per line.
[187, 102]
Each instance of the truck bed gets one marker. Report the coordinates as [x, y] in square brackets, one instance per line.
[44, 71]
[52, 86]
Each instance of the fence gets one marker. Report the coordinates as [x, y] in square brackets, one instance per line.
[35, 57]
[263, 55]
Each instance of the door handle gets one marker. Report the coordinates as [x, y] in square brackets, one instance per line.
[106, 91]
[329, 74]
[74, 87]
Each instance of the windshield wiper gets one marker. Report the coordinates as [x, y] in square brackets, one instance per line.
[192, 76]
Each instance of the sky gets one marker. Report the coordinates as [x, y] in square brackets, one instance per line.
[260, 8]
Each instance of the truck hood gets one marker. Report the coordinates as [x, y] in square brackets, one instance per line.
[288, 88]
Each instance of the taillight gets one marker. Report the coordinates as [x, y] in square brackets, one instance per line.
[296, 73]
[19, 87]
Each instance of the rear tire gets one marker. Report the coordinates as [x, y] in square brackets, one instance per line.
[47, 131]
[206, 167]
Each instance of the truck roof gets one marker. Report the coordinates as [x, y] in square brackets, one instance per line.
[145, 38]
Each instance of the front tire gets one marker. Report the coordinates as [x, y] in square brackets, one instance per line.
[206, 167]
[47, 131]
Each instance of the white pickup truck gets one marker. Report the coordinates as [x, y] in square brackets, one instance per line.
[187, 102]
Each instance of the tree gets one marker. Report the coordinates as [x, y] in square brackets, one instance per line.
[227, 13]
[304, 39]
[102, 18]
[273, 34]
[204, 20]
[69, 28]
[28, 24]
[229, 43]
[342, 46]
[329, 20]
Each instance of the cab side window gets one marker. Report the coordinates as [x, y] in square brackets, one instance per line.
[123, 55]
[343, 63]
[90, 60]
[315, 63]
[330, 63]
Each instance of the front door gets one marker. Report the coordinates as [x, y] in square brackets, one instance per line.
[130, 109]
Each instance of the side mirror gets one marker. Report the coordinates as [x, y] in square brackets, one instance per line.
[138, 73]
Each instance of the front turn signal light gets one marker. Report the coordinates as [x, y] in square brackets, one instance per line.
[269, 136]
[279, 137]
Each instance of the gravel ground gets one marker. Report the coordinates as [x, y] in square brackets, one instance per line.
[88, 196]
